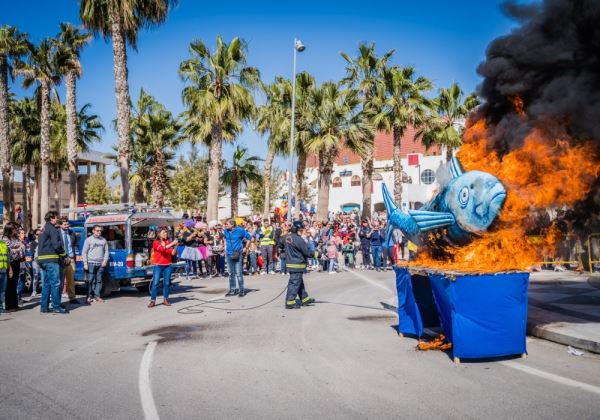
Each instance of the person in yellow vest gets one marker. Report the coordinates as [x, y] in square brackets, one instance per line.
[4, 269]
[266, 246]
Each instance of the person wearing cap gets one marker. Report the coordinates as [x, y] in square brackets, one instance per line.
[234, 245]
[296, 257]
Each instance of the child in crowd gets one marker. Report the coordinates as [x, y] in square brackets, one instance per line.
[252, 251]
[332, 255]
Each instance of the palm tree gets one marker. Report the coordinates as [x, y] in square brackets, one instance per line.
[305, 85]
[41, 70]
[243, 170]
[401, 103]
[274, 118]
[161, 135]
[335, 121]
[25, 150]
[365, 73]
[87, 131]
[444, 125]
[121, 20]
[218, 95]
[13, 45]
[155, 135]
[70, 42]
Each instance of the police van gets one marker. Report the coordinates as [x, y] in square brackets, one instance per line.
[129, 231]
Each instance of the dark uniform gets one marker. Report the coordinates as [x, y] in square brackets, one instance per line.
[296, 257]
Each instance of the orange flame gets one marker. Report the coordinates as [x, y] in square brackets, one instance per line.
[518, 104]
[546, 172]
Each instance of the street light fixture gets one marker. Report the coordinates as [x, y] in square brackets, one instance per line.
[298, 47]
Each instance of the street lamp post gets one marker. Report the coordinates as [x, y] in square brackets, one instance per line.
[298, 47]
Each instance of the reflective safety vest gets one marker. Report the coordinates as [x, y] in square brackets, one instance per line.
[267, 239]
[3, 256]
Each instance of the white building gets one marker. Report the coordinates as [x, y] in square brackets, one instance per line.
[422, 171]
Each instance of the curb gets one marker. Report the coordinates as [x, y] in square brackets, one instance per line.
[540, 325]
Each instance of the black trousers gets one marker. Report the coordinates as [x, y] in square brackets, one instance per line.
[296, 286]
[10, 297]
[366, 255]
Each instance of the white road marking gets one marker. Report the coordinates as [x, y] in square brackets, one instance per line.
[368, 280]
[517, 366]
[552, 377]
[150, 412]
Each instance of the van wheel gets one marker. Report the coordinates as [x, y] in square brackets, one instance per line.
[143, 287]
[106, 290]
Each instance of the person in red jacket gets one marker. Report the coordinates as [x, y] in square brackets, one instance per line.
[162, 256]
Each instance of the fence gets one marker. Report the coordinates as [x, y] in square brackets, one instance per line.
[570, 253]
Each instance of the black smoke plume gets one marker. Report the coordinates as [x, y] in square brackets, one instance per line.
[552, 62]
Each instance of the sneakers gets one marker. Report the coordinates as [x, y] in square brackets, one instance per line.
[232, 292]
[242, 293]
[308, 301]
[292, 304]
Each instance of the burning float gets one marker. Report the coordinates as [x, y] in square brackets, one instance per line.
[530, 153]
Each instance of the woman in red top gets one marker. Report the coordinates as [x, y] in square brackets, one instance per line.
[162, 256]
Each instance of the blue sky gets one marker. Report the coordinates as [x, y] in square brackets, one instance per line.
[444, 40]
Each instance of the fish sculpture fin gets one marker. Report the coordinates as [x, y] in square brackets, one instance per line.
[429, 220]
[455, 168]
[390, 205]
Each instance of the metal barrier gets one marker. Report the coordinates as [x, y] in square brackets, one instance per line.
[593, 245]
[566, 255]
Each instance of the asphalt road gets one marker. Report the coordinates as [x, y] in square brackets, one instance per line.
[340, 359]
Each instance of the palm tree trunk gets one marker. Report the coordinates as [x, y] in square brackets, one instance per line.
[71, 109]
[397, 134]
[367, 182]
[138, 194]
[216, 152]
[25, 206]
[56, 182]
[267, 183]
[326, 169]
[300, 187]
[235, 188]
[159, 181]
[122, 94]
[35, 199]
[45, 148]
[449, 150]
[5, 165]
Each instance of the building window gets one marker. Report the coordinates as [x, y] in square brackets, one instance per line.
[406, 179]
[355, 181]
[345, 173]
[377, 177]
[427, 177]
[337, 182]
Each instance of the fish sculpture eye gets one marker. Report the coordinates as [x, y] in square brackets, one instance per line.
[463, 197]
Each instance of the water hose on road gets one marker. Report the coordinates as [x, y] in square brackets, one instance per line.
[195, 308]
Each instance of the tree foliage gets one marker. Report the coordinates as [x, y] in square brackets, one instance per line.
[97, 190]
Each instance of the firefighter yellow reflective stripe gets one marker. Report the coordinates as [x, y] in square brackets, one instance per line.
[306, 299]
[291, 302]
[47, 257]
[3, 256]
[291, 265]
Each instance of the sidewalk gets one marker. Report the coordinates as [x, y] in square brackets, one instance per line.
[564, 307]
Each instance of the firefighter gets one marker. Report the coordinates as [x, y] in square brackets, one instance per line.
[296, 257]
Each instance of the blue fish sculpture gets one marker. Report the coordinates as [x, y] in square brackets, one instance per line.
[466, 206]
